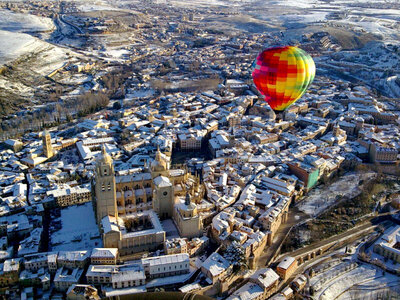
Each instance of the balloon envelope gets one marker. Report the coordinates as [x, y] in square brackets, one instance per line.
[282, 75]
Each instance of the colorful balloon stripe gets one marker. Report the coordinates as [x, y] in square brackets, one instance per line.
[282, 75]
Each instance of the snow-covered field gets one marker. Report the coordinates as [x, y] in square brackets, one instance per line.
[296, 3]
[203, 3]
[79, 229]
[15, 22]
[12, 45]
[321, 198]
[312, 16]
[344, 282]
[14, 40]
[87, 7]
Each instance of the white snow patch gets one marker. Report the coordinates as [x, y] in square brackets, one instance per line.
[117, 53]
[320, 199]
[16, 22]
[87, 7]
[13, 45]
[79, 229]
[295, 3]
[392, 86]
[316, 16]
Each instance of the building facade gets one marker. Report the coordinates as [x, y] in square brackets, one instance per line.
[47, 147]
[105, 187]
[167, 265]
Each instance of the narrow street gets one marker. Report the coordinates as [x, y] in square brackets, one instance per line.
[295, 217]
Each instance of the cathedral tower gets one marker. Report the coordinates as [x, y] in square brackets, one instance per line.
[163, 197]
[106, 198]
[47, 148]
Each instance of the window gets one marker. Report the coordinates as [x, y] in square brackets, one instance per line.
[165, 193]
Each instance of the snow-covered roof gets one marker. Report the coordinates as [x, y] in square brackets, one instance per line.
[166, 259]
[109, 223]
[265, 277]
[162, 181]
[104, 253]
[248, 292]
[286, 262]
[215, 264]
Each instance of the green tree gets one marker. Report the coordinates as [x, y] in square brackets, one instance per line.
[236, 256]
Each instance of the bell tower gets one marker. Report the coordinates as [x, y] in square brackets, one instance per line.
[47, 148]
[106, 198]
[163, 197]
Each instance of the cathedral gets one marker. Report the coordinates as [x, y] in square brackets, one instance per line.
[129, 207]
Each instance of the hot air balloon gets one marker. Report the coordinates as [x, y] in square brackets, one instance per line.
[282, 75]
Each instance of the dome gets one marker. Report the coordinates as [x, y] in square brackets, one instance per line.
[159, 163]
[105, 157]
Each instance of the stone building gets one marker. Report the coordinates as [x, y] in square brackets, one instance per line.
[129, 207]
[47, 147]
[166, 265]
[104, 256]
[187, 219]
[106, 203]
[133, 233]
[286, 267]
[389, 244]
